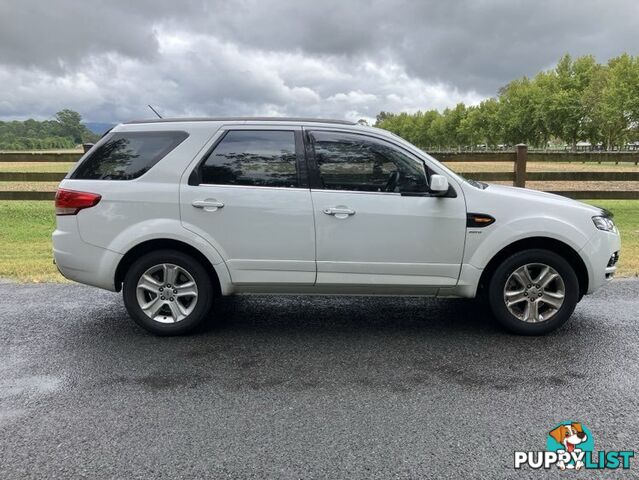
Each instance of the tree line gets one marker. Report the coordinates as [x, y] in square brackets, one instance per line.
[64, 131]
[579, 100]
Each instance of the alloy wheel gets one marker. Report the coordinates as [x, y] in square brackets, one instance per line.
[167, 293]
[534, 292]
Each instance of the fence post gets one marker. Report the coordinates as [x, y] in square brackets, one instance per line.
[520, 165]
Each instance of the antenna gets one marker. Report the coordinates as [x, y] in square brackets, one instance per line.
[154, 111]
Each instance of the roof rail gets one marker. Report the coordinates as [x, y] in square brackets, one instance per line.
[237, 119]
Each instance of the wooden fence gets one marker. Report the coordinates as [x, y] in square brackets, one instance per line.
[518, 176]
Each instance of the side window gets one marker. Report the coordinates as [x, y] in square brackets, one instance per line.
[127, 155]
[360, 163]
[263, 158]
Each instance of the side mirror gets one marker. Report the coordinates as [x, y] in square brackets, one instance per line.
[438, 184]
[87, 146]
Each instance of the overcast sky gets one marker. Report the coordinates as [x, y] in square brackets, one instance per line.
[341, 59]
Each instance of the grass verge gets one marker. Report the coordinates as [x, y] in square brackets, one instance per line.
[26, 227]
[25, 241]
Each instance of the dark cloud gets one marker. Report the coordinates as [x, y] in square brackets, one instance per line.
[343, 58]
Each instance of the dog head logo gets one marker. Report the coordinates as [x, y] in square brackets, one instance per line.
[569, 435]
[573, 439]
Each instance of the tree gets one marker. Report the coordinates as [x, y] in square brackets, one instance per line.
[70, 125]
[481, 124]
[577, 100]
[517, 111]
[612, 101]
[66, 131]
[565, 111]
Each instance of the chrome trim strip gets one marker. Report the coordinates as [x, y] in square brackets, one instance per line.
[355, 192]
[249, 186]
[297, 188]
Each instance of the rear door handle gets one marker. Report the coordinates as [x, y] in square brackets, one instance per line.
[339, 212]
[209, 205]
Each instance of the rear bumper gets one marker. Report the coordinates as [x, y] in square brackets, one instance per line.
[598, 254]
[80, 261]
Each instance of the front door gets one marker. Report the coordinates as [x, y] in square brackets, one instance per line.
[376, 225]
[250, 199]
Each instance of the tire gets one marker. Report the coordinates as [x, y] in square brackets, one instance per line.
[527, 301]
[177, 309]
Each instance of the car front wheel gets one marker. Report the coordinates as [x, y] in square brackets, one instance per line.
[167, 292]
[533, 292]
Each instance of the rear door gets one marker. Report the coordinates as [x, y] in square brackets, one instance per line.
[249, 197]
[376, 224]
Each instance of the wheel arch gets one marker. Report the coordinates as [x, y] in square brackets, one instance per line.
[546, 243]
[159, 244]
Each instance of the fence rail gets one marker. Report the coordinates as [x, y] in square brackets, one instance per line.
[31, 177]
[39, 157]
[519, 175]
[555, 176]
[10, 195]
[559, 157]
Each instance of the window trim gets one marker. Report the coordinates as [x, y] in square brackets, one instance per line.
[195, 178]
[314, 173]
[106, 137]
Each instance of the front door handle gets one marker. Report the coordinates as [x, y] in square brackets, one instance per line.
[209, 205]
[339, 212]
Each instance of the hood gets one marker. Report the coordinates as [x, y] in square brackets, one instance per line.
[548, 199]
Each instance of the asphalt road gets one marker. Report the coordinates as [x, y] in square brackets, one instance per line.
[294, 387]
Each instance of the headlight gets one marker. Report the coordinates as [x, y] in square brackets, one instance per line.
[604, 223]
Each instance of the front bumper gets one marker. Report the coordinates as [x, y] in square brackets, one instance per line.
[601, 255]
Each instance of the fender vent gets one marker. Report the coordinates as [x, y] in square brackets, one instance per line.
[478, 220]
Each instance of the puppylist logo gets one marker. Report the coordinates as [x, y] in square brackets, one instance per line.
[570, 446]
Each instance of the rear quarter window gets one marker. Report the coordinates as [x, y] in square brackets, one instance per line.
[127, 155]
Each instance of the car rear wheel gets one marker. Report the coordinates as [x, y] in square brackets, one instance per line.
[167, 292]
[533, 292]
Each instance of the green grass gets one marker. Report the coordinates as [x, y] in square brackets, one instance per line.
[26, 227]
[25, 241]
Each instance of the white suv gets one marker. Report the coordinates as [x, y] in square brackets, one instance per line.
[177, 212]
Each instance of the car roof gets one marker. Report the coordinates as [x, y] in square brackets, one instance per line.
[241, 119]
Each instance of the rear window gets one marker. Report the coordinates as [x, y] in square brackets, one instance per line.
[127, 155]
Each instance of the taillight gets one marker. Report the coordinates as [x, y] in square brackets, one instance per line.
[70, 202]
